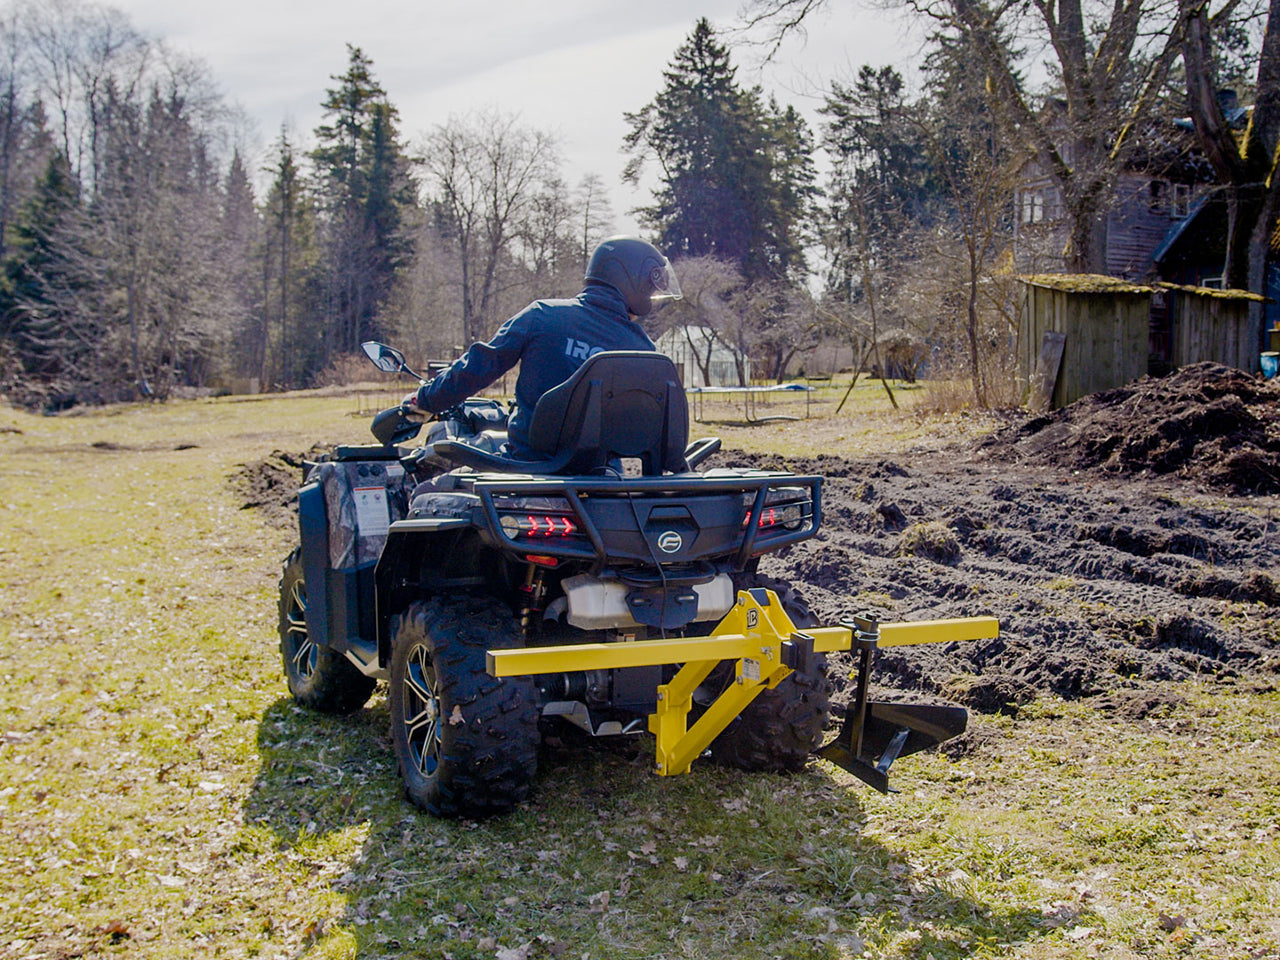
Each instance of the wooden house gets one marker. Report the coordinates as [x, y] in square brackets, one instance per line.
[1164, 182]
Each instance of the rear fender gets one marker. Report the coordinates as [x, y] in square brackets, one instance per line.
[414, 547]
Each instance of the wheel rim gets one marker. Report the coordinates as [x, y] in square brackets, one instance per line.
[422, 712]
[302, 653]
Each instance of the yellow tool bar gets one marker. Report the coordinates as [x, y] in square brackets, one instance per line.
[527, 661]
[752, 633]
[938, 631]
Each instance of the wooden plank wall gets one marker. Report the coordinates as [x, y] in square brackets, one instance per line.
[1106, 344]
[1208, 327]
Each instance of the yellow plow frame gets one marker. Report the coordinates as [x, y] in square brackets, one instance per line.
[766, 646]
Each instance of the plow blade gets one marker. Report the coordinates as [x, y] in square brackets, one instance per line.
[869, 743]
[876, 733]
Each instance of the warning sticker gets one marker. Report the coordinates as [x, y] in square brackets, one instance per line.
[372, 516]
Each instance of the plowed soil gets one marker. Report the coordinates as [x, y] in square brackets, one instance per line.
[1128, 540]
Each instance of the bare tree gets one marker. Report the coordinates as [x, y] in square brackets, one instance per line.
[426, 309]
[84, 56]
[545, 234]
[783, 321]
[483, 172]
[595, 214]
[705, 317]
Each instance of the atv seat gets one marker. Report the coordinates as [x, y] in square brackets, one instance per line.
[618, 404]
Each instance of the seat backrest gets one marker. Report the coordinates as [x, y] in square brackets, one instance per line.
[620, 403]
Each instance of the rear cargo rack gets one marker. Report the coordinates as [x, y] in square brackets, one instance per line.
[576, 490]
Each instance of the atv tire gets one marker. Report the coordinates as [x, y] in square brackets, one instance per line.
[466, 743]
[319, 677]
[780, 728]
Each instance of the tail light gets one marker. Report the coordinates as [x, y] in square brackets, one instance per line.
[533, 525]
[785, 508]
[537, 519]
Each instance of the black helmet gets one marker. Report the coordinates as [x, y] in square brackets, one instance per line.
[636, 270]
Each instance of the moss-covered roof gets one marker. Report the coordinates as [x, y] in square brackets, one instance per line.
[1213, 292]
[1084, 283]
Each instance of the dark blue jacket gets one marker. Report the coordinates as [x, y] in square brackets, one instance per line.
[550, 338]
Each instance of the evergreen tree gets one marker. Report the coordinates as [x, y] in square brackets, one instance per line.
[736, 175]
[240, 252]
[43, 278]
[365, 190]
[289, 259]
[883, 188]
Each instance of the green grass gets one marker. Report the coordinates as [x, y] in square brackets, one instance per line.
[161, 796]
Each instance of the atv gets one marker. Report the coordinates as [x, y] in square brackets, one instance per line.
[609, 584]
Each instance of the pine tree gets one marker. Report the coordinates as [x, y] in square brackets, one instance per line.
[43, 277]
[288, 255]
[736, 175]
[240, 253]
[364, 189]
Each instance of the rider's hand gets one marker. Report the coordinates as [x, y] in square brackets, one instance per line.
[411, 409]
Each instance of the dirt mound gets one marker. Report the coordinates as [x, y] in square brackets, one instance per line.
[1209, 423]
[271, 484]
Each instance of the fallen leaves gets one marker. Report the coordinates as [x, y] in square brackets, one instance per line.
[116, 930]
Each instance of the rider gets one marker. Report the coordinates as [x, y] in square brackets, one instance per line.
[626, 278]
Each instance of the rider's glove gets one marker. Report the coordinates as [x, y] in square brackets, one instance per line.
[411, 409]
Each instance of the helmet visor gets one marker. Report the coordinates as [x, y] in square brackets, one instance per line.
[665, 284]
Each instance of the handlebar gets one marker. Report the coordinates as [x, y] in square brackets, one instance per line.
[395, 425]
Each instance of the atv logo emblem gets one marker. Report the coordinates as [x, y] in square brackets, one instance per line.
[670, 542]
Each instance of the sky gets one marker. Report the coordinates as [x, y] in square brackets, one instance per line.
[571, 67]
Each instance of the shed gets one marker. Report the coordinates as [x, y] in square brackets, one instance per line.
[689, 346]
[1081, 333]
[1211, 324]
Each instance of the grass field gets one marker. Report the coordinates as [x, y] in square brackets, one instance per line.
[161, 796]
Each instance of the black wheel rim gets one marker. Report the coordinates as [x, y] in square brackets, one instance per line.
[422, 712]
[302, 653]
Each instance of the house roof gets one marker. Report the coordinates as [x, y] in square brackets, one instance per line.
[1212, 292]
[1083, 283]
[1205, 225]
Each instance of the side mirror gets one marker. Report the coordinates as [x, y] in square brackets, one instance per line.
[386, 359]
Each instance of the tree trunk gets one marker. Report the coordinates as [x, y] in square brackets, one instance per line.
[1259, 254]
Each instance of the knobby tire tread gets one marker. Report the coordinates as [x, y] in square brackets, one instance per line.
[336, 686]
[780, 728]
[488, 762]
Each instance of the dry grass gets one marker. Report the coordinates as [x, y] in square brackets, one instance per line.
[161, 797]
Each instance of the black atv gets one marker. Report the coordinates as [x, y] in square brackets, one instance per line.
[425, 567]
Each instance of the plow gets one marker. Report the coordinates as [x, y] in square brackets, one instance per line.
[764, 646]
